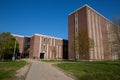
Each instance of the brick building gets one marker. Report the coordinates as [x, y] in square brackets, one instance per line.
[41, 46]
[46, 47]
[97, 27]
[24, 45]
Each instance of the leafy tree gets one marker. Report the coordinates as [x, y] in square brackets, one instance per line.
[81, 45]
[115, 37]
[116, 31]
[7, 42]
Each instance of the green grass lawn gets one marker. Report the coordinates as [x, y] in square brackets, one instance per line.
[8, 69]
[96, 70]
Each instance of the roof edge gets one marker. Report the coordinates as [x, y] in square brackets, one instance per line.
[47, 36]
[18, 35]
[94, 11]
[78, 9]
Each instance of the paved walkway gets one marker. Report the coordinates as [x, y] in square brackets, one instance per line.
[45, 71]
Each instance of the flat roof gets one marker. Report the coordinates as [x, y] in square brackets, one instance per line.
[48, 36]
[18, 35]
[38, 35]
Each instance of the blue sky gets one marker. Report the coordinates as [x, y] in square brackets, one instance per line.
[48, 17]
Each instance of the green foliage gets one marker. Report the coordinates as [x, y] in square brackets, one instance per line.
[7, 69]
[114, 32]
[98, 70]
[82, 43]
[7, 42]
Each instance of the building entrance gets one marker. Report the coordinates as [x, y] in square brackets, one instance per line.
[42, 55]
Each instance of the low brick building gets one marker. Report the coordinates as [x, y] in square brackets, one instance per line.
[41, 46]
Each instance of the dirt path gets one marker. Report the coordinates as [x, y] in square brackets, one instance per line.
[45, 71]
[21, 73]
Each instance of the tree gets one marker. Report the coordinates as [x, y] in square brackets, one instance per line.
[1, 49]
[116, 31]
[115, 37]
[7, 42]
[81, 45]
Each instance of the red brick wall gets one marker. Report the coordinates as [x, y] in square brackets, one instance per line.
[21, 43]
[105, 39]
[82, 25]
[31, 47]
[71, 33]
[34, 46]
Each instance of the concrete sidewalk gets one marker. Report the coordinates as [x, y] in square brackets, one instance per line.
[45, 71]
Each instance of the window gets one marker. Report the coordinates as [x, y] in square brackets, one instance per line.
[44, 40]
[43, 46]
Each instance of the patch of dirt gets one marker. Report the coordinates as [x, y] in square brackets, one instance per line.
[22, 73]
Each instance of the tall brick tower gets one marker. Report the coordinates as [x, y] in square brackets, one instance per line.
[96, 27]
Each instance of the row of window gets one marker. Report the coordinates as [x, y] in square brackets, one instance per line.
[48, 41]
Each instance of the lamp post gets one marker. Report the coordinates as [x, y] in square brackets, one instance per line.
[13, 58]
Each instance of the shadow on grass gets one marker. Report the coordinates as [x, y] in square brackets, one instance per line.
[100, 76]
[117, 62]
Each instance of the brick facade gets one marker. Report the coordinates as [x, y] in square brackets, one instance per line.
[42, 47]
[96, 27]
